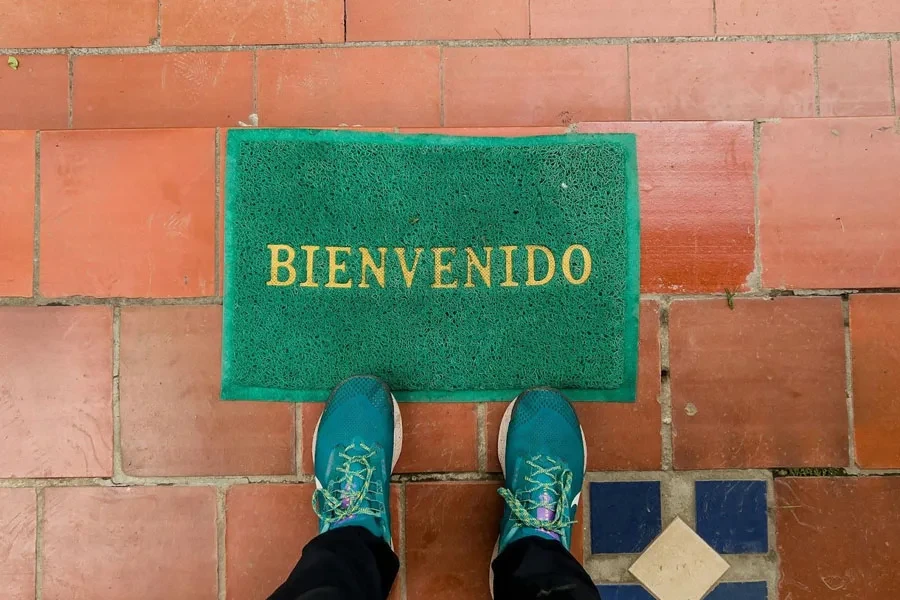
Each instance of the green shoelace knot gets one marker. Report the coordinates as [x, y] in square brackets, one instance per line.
[557, 483]
[352, 492]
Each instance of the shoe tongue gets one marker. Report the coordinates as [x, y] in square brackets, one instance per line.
[547, 498]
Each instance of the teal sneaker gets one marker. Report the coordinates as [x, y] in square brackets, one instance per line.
[355, 447]
[543, 456]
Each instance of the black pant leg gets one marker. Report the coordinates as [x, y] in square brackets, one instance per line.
[534, 567]
[347, 563]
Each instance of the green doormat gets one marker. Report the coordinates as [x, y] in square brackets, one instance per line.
[455, 268]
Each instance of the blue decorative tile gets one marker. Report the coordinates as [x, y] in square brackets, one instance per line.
[625, 516]
[731, 516]
[754, 590]
[623, 592]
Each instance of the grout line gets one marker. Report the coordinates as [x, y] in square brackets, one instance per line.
[891, 78]
[217, 219]
[39, 544]
[118, 472]
[771, 508]
[665, 390]
[715, 16]
[220, 541]
[345, 20]
[254, 103]
[36, 244]
[298, 439]
[401, 554]
[158, 40]
[71, 91]
[754, 280]
[628, 82]
[110, 301]
[818, 103]
[848, 368]
[585, 521]
[441, 80]
[481, 433]
[529, 19]
[480, 43]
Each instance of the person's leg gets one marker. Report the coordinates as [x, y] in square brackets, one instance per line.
[543, 456]
[355, 447]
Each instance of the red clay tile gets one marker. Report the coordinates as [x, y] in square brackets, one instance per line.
[369, 20]
[451, 529]
[827, 203]
[764, 17]
[609, 18]
[35, 96]
[895, 61]
[696, 182]
[17, 212]
[17, 543]
[390, 87]
[196, 89]
[759, 386]
[721, 81]
[173, 422]
[874, 330]
[837, 537]
[854, 79]
[437, 437]
[155, 191]
[61, 23]
[619, 436]
[56, 391]
[534, 85]
[228, 22]
[266, 529]
[488, 131]
[140, 543]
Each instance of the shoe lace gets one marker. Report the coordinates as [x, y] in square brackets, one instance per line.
[352, 492]
[546, 482]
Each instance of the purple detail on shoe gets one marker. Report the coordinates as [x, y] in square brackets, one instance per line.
[546, 514]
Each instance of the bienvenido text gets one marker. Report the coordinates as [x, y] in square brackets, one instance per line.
[445, 267]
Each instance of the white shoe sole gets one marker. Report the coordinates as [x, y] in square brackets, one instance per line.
[398, 443]
[501, 453]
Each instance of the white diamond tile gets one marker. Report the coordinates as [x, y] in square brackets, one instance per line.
[679, 565]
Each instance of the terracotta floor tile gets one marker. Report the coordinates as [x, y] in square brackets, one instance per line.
[17, 543]
[173, 422]
[874, 330]
[534, 86]
[762, 17]
[193, 89]
[61, 23]
[17, 212]
[696, 182]
[141, 543]
[227, 22]
[759, 386]
[819, 226]
[35, 95]
[350, 86]
[56, 391]
[155, 190]
[267, 526]
[436, 20]
[619, 436]
[605, 18]
[437, 437]
[451, 529]
[837, 537]
[854, 78]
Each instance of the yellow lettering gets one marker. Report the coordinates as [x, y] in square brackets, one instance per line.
[440, 268]
[310, 253]
[551, 265]
[409, 273]
[276, 264]
[567, 264]
[483, 269]
[335, 267]
[369, 263]
[508, 251]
